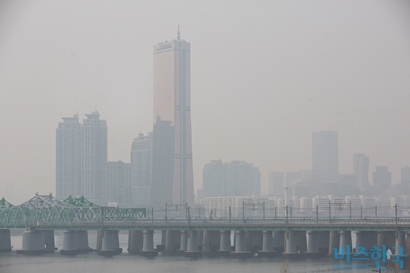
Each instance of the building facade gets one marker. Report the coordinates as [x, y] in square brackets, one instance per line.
[141, 170]
[172, 102]
[68, 157]
[276, 183]
[94, 158]
[325, 154]
[361, 170]
[119, 183]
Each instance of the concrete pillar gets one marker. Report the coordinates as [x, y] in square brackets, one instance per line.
[387, 238]
[69, 243]
[184, 241]
[366, 239]
[279, 241]
[49, 239]
[148, 244]
[293, 244]
[334, 240]
[192, 249]
[100, 235]
[33, 243]
[317, 243]
[210, 244]
[400, 243]
[172, 242]
[161, 247]
[5, 241]
[240, 245]
[345, 242]
[135, 241]
[225, 243]
[267, 246]
[81, 237]
[200, 238]
[254, 241]
[110, 243]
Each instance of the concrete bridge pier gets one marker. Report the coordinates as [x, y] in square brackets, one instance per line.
[365, 239]
[210, 244]
[334, 240]
[192, 249]
[292, 239]
[110, 243]
[5, 241]
[267, 245]
[161, 247]
[240, 246]
[49, 239]
[172, 242]
[316, 244]
[400, 243]
[387, 238]
[225, 243]
[279, 241]
[345, 244]
[184, 241]
[200, 239]
[33, 243]
[69, 243]
[81, 237]
[135, 240]
[148, 244]
[254, 241]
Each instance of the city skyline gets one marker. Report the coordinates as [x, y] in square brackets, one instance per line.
[262, 85]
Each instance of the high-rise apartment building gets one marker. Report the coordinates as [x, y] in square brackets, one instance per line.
[118, 183]
[162, 163]
[236, 178]
[213, 178]
[141, 170]
[276, 183]
[325, 154]
[94, 156]
[68, 157]
[361, 170]
[172, 102]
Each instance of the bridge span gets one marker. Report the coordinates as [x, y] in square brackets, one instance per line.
[287, 236]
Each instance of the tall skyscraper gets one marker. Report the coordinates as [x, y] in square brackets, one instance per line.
[68, 157]
[213, 179]
[172, 102]
[405, 175]
[141, 170]
[94, 159]
[325, 154]
[361, 170]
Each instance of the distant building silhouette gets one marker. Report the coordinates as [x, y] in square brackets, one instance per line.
[325, 154]
[405, 175]
[68, 157]
[361, 170]
[276, 183]
[382, 177]
[141, 151]
[118, 183]
[162, 163]
[81, 158]
[236, 178]
[94, 158]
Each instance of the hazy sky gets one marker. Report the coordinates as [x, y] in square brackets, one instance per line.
[265, 74]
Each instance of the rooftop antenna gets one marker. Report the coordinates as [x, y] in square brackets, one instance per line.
[178, 33]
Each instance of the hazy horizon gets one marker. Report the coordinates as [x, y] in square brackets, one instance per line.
[264, 76]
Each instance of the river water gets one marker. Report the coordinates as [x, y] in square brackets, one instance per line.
[126, 263]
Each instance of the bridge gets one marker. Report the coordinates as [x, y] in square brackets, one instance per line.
[289, 236]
